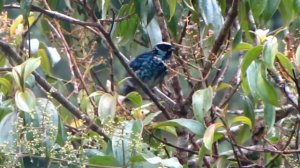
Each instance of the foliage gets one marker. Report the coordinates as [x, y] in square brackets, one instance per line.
[230, 98]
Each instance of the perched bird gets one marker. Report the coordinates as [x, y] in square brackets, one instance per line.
[150, 67]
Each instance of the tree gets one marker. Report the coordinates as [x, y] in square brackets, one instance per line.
[230, 98]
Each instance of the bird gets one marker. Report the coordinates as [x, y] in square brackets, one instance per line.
[150, 67]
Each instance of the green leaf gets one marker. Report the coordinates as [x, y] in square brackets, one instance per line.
[103, 160]
[257, 7]
[286, 63]
[25, 100]
[61, 133]
[2, 2]
[269, 115]
[242, 46]
[211, 14]
[45, 62]
[270, 51]
[5, 85]
[241, 119]
[224, 86]
[192, 125]
[242, 14]
[249, 109]
[140, 7]
[107, 106]
[25, 8]
[286, 10]
[245, 86]
[30, 65]
[249, 57]
[237, 38]
[259, 85]
[297, 5]
[202, 102]
[201, 154]
[135, 98]
[270, 9]
[172, 7]
[9, 132]
[126, 29]
[243, 135]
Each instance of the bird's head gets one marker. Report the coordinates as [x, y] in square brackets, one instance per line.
[163, 50]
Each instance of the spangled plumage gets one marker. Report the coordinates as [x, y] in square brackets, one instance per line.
[149, 67]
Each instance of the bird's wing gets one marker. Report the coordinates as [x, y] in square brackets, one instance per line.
[140, 60]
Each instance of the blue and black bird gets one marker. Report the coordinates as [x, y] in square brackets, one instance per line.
[150, 67]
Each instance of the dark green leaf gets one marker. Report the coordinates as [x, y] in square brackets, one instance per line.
[286, 10]
[249, 109]
[25, 8]
[172, 7]
[269, 115]
[2, 2]
[259, 85]
[286, 63]
[135, 98]
[297, 6]
[237, 38]
[126, 30]
[140, 7]
[249, 57]
[257, 7]
[270, 9]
